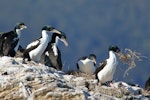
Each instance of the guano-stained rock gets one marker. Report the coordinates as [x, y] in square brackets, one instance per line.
[32, 81]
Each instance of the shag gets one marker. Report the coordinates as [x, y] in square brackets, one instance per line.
[52, 55]
[105, 71]
[87, 64]
[10, 41]
[35, 49]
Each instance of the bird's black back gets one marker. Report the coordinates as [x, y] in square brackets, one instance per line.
[7, 43]
[100, 67]
[52, 60]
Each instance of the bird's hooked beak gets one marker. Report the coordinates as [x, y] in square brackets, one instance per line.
[94, 60]
[64, 41]
[23, 26]
[56, 31]
[119, 53]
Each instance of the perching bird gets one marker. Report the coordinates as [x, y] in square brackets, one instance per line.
[105, 71]
[10, 41]
[52, 55]
[87, 64]
[35, 49]
[147, 84]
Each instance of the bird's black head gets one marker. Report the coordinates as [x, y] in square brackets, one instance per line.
[51, 29]
[114, 48]
[48, 28]
[20, 26]
[93, 58]
[62, 37]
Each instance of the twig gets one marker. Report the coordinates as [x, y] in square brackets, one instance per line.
[25, 90]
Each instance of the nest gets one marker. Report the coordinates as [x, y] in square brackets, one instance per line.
[81, 74]
[129, 57]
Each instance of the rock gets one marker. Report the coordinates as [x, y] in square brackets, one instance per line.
[80, 81]
[32, 81]
[131, 89]
[147, 85]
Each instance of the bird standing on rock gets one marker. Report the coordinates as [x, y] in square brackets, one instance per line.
[87, 64]
[105, 71]
[10, 41]
[35, 49]
[52, 55]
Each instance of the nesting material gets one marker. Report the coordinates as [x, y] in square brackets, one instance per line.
[81, 74]
[127, 56]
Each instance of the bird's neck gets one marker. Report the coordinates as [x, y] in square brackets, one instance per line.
[112, 55]
[18, 31]
[55, 39]
[45, 35]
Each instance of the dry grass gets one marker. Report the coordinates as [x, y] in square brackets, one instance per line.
[127, 56]
[80, 74]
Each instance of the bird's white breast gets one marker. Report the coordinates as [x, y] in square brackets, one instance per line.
[36, 53]
[106, 74]
[54, 47]
[86, 66]
[19, 34]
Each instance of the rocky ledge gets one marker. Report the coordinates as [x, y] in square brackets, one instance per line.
[33, 81]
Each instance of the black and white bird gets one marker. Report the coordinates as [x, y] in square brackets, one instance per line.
[87, 64]
[52, 55]
[35, 49]
[105, 71]
[10, 41]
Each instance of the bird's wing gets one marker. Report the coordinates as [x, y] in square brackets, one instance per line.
[59, 59]
[2, 34]
[1, 40]
[79, 60]
[34, 43]
[100, 67]
[31, 47]
[77, 66]
[14, 43]
[3, 37]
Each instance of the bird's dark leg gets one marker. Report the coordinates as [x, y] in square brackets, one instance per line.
[109, 83]
[23, 60]
[24, 57]
[99, 83]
